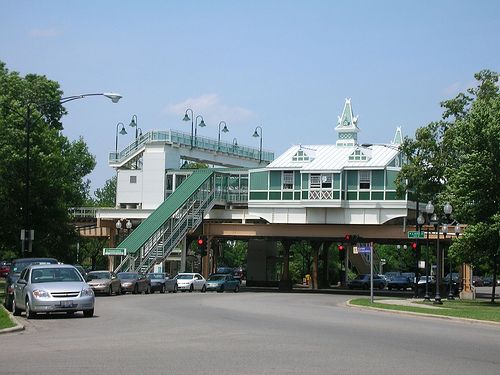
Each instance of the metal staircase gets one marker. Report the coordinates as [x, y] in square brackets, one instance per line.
[181, 213]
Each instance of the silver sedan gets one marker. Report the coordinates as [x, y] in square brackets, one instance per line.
[52, 288]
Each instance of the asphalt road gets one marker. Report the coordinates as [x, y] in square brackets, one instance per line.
[247, 333]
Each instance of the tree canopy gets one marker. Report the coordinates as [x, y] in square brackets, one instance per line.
[457, 160]
[57, 166]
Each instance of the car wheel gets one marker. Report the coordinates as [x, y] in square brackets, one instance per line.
[88, 313]
[237, 288]
[389, 287]
[365, 286]
[119, 291]
[204, 289]
[191, 288]
[176, 288]
[221, 290]
[162, 290]
[136, 289]
[381, 286]
[15, 310]
[70, 313]
[148, 289]
[110, 291]
[29, 313]
[8, 302]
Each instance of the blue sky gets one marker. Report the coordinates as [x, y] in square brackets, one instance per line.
[284, 65]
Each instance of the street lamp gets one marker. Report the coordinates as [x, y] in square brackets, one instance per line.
[187, 118]
[257, 135]
[27, 234]
[235, 144]
[429, 210]
[225, 130]
[122, 132]
[201, 125]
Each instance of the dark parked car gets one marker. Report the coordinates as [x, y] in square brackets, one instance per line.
[17, 266]
[4, 269]
[363, 282]
[400, 283]
[157, 280]
[134, 282]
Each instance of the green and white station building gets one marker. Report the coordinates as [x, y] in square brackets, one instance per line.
[318, 192]
[343, 183]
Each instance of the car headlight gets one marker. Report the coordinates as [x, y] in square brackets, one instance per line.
[39, 293]
[87, 292]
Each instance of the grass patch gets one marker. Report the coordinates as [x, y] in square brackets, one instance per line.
[5, 321]
[480, 310]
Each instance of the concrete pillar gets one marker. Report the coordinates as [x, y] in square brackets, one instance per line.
[183, 246]
[315, 252]
[285, 282]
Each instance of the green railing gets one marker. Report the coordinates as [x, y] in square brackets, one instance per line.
[185, 140]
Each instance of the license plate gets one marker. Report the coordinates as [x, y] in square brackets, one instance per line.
[66, 303]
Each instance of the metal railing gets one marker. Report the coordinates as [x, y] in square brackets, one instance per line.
[184, 139]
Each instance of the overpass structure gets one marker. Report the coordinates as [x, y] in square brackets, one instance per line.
[314, 192]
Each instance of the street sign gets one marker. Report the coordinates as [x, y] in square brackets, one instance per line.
[364, 249]
[112, 251]
[416, 234]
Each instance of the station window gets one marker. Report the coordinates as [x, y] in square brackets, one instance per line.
[364, 180]
[326, 181]
[288, 180]
[315, 180]
[133, 179]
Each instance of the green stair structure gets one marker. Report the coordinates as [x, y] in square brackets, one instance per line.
[180, 214]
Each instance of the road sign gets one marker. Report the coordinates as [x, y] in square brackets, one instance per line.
[416, 234]
[364, 249]
[111, 251]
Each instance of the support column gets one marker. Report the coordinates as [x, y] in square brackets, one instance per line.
[183, 245]
[205, 264]
[315, 252]
[325, 279]
[285, 282]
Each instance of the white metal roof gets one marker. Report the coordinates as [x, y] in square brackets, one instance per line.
[335, 158]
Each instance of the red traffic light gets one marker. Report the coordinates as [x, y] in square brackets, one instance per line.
[414, 245]
[340, 247]
[201, 242]
[347, 237]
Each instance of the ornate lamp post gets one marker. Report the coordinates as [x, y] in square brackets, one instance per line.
[259, 135]
[122, 132]
[429, 210]
[435, 222]
[225, 130]
[133, 123]
[420, 222]
[235, 144]
[187, 118]
[201, 125]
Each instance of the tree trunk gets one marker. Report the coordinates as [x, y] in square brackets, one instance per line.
[494, 281]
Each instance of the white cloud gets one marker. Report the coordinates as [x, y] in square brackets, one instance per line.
[44, 33]
[212, 110]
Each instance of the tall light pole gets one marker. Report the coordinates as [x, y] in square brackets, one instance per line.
[201, 125]
[27, 234]
[122, 132]
[420, 223]
[133, 123]
[429, 210]
[259, 135]
[225, 130]
[235, 144]
[187, 118]
[447, 211]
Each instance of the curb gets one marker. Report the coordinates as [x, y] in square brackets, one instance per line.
[413, 313]
[18, 326]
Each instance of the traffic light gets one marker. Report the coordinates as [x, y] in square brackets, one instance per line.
[414, 245]
[341, 249]
[202, 246]
[347, 238]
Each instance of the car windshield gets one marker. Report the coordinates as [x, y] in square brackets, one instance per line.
[400, 278]
[98, 275]
[224, 270]
[19, 266]
[127, 276]
[216, 277]
[156, 276]
[53, 275]
[184, 277]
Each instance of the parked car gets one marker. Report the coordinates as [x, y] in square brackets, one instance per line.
[171, 285]
[82, 270]
[134, 282]
[17, 266]
[191, 282]
[4, 269]
[157, 281]
[391, 275]
[477, 281]
[222, 283]
[400, 283]
[52, 288]
[363, 282]
[487, 281]
[104, 282]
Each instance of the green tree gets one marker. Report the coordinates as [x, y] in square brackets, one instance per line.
[234, 254]
[457, 160]
[106, 197]
[57, 165]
